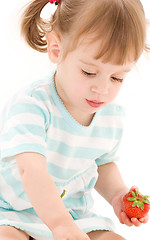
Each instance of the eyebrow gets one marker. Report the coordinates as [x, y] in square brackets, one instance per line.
[88, 63]
[94, 65]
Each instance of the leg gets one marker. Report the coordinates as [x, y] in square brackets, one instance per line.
[11, 233]
[104, 235]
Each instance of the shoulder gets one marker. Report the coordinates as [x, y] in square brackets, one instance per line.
[36, 92]
[31, 101]
[113, 109]
[111, 116]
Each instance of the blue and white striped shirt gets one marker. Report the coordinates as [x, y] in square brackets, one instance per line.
[35, 120]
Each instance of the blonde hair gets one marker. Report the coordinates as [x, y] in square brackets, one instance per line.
[119, 25]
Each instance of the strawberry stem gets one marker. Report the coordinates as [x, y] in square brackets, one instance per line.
[138, 199]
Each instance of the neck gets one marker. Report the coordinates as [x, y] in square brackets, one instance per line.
[81, 117]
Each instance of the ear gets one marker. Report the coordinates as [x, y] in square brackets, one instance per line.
[53, 46]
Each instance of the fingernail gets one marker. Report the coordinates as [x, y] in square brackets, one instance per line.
[133, 219]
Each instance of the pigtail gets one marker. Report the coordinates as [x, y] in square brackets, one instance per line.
[107, 21]
[33, 27]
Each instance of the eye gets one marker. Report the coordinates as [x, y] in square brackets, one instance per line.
[87, 73]
[117, 79]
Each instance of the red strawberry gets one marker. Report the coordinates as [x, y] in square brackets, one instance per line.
[136, 205]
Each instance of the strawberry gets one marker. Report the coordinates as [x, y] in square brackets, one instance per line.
[136, 205]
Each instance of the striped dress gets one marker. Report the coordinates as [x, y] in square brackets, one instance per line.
[35, 120]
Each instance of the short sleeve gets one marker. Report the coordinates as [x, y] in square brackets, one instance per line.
[111, 156]
[24, 128]
[113, 121]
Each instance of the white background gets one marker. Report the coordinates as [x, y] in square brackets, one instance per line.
[21, 65]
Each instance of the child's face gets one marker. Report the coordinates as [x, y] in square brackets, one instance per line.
[84, 84]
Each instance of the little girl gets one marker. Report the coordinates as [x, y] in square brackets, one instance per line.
[60, 137]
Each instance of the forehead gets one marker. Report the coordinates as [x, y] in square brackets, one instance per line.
[85, 53]
[100, 48]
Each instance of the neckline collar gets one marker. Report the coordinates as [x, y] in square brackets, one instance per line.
[64, 112]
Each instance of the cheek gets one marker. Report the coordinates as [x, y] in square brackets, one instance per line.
[78, 90]
[78, 86]
[114, 91]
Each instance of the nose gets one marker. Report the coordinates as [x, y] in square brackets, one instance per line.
[102, 87]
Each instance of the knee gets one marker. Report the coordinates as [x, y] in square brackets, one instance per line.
[104, 235]
[114, 236]
[10, 233]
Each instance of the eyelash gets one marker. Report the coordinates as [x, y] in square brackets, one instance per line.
[117, 79]
[94, 74]
[87, 73]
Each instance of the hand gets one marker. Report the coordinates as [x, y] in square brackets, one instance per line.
[69, 232]
[118, 206]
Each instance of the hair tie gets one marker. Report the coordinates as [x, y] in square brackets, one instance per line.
[54, 1]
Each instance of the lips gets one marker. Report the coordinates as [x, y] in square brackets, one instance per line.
[94, 103]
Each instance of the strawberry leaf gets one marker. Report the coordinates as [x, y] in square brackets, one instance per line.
[145, 201]
[132, 199]
[146, 197]
[142, 206]
[137, 192]
[138, 204]
[133, 193]
[135, 204]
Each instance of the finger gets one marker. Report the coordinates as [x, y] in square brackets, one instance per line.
[144, 219]
[120, 219]
[126, 220]
[136, 222]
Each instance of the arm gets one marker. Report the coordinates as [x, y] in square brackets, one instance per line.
[44, 196]
[110, 182]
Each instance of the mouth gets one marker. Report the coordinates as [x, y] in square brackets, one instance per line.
[94, 103]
